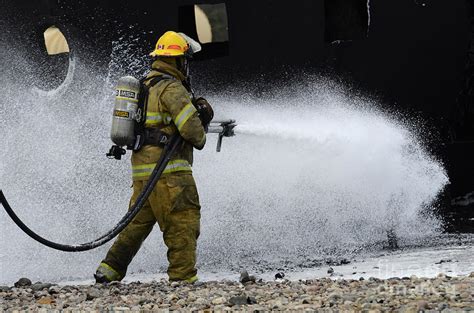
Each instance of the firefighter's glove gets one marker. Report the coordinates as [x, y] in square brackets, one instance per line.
[205, 111]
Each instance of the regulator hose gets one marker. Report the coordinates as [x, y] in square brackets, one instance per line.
[166, 155]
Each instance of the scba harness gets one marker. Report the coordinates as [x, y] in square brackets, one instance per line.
[130, 118]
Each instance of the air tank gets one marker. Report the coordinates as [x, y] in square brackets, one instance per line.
[125, 111]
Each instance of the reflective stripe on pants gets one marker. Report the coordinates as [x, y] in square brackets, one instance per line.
[174, 204]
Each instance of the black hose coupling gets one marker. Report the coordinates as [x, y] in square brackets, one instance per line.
[116, 152]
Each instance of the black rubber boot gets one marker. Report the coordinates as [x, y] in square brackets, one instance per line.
[100, 278]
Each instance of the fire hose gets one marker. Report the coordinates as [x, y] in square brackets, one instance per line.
[225, 129]
[126, 219]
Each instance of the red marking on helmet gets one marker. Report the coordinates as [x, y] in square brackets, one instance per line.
[174, 47]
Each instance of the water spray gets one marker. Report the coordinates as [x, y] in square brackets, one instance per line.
[129, 111]
[154, 177]
[313, 170]
[222, 128]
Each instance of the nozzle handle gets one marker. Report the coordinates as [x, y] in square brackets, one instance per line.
[219, 142]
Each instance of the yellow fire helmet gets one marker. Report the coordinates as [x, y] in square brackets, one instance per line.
[171, 44]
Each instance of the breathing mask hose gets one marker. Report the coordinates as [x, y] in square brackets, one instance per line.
[166, 155]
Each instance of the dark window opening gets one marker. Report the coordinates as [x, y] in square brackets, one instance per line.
[55, 41]
[208, 23]
[211, 22]
[53, 61]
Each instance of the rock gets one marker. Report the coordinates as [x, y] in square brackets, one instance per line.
[334, 297]
[175, 284]
[143, 301]
[330, 270]
[54, 290]
[462, 287]
[23, 282]
[349, 297]
[239, 300]
[79, 298]
[465, 295]
[40, 286]
[201, 301]
[120, 308]
[171, 297]
[442, 306]
[46, 300]
[408, 309]
[373, 295]
[422, 305]
[279, 275]
[275, 305]
[219, 301]
[92, 294]
[4, 288]
[40, 294]
[245, 277]
[115, 291]
[282, 301]
[124, 298]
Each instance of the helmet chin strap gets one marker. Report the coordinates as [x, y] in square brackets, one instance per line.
[183, 66]
[186, 66]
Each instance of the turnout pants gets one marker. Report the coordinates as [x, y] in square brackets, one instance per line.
[174, 204]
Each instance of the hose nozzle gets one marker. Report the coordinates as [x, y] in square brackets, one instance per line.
[224, 128]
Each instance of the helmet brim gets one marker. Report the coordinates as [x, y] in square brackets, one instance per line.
[164, 53]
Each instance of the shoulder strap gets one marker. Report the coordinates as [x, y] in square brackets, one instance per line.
[144, 92]
[142, 107]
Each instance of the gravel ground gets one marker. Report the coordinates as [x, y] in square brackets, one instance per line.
[406, 294]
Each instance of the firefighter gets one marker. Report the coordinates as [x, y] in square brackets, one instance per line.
[174, 202]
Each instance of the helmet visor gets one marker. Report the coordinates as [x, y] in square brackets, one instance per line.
[194, 46]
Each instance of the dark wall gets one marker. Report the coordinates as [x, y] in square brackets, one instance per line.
[464, 114]
[414, 54]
